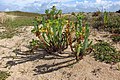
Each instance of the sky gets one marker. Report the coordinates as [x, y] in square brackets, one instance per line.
[39, 6]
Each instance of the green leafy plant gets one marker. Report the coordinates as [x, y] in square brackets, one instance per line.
[81, 36]
[4, 75]
[50, 33]
[55, 33]
[105, 18]
[103, 51]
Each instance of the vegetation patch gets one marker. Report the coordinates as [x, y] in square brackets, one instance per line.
[4, 75]
[103, 51]
[116, 38]
[7, 34]
[18, 22]
[113, 24]
[107, 21]
[11, 25]
[55, 33]
[19, 13]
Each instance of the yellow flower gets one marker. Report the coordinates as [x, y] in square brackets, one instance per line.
[50, 32]
[80, 34]
[67, 30]
[47, 25]
[66, 21]
[83, 29]
[42, 30]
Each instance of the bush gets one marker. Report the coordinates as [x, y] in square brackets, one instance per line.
[50, 34]
[103, 51]
[118, 11]
[107, 21]
[55, 33]
[98, 21]
[113, 24]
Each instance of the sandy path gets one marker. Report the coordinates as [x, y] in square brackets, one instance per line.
[42, 66]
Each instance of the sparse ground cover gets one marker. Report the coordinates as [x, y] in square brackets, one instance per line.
[17, 58]
[23, 14]
[103, 51]
[4, 75]
[14, 21]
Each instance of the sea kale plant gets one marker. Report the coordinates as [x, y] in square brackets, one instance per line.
[55, 33]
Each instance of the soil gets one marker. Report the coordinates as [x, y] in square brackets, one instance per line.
[23, 65]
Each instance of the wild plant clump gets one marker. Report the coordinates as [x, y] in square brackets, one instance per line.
[55, 33]
[98, 20]
[50, 32]
[113, 24]
[103, 51]
[3, 75]
[81, 34]
[107, 21]
[115, 37]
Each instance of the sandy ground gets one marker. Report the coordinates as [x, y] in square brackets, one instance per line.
[40, 65]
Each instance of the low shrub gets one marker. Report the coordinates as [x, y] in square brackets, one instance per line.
[103, 51]
[55, 33]
[107, 21]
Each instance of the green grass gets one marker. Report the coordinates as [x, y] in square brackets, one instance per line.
[11, 26]
[18, 22]
[23, 19]
[19, 13]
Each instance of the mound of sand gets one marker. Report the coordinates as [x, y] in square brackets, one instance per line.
[22, 65]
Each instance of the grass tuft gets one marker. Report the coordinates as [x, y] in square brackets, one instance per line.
[4, 75]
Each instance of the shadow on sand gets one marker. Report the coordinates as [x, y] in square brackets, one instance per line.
[26, 56]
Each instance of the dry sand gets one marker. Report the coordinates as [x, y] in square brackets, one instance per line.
[42, 66]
